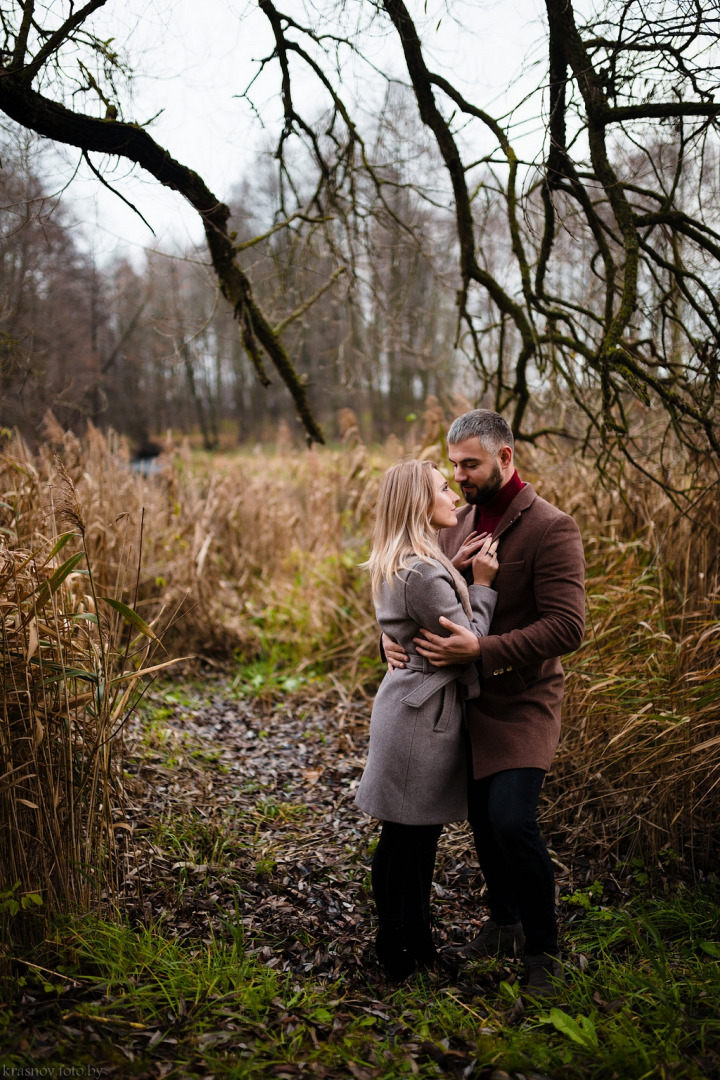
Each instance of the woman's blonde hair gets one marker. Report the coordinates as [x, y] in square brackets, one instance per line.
[403, 533]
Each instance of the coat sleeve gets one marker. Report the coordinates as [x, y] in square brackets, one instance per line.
[430, 593]
[559, 586]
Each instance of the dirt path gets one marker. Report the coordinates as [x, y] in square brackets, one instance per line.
[244, 832]
[244, 811]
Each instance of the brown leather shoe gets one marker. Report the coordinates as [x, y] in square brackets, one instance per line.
[493, 940]
[543, 975]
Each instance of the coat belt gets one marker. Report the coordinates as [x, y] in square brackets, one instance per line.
[456, 677]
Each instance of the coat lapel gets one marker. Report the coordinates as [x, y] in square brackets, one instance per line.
[522, 501]
[452, 539]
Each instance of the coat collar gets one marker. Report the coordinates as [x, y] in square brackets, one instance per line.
[522, 501]
[466, 519]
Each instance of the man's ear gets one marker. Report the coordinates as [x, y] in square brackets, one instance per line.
[506, 456]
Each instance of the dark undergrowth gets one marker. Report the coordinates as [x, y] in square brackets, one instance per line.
[136, 1001]
[244, 944]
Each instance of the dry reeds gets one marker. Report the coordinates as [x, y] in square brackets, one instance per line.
[256, 555]
[639, 764]
[638, 768]
[240, 554]
[72, 657]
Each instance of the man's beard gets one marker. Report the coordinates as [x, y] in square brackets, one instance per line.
[484, 492]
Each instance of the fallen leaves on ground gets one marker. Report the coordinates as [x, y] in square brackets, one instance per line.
[240, 820]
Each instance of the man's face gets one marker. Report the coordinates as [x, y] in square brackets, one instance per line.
[477, 471]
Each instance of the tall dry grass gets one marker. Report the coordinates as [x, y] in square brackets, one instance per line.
[638, 768]
[256, 555]
[73, 654]
[240, 555]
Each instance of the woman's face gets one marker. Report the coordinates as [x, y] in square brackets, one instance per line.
[443, 514]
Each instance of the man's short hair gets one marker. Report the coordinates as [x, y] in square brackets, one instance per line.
[489, 427]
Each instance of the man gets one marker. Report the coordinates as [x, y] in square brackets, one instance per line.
[515, 725]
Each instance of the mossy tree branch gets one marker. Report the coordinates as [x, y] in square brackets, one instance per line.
[130, 141]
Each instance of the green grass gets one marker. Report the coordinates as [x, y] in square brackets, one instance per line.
[643, 1008]
[190, 993]
[273, 675]
[195, 840]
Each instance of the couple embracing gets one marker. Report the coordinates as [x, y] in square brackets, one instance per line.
[475, 606]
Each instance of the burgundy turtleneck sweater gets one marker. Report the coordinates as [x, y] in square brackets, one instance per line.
[487, 517]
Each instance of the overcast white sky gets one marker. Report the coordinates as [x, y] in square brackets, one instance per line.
[191, 66]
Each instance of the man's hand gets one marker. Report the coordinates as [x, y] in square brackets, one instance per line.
[461, 647]
[394, 654]
[470, 547]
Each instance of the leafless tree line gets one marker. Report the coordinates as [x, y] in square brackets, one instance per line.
[584, 281]
[150, 348]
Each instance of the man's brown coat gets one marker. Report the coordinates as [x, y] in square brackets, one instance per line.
[540, 615]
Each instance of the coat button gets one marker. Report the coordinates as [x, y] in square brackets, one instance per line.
[498, 671]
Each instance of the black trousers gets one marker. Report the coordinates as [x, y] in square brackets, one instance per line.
[402, 873]
[514, 860]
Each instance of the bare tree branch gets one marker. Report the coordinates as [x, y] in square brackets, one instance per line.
[32, 110]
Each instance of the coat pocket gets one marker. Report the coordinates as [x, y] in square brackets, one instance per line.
[443, 714]
[441, 687]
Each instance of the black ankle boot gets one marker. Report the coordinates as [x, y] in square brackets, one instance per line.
[393, 954]
[421, 945]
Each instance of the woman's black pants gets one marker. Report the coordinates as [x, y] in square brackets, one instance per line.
[514, 860]
[402, 873]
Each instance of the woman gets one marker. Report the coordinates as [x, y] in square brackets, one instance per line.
[415, 779]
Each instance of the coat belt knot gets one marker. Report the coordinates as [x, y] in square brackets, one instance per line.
[461, 680]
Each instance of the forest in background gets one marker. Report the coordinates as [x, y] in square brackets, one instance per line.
[396, 239]
[151, 348]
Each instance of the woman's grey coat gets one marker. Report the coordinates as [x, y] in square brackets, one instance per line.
[417, 767]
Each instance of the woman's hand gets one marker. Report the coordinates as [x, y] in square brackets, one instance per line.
[470, 547]
[485, 563]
